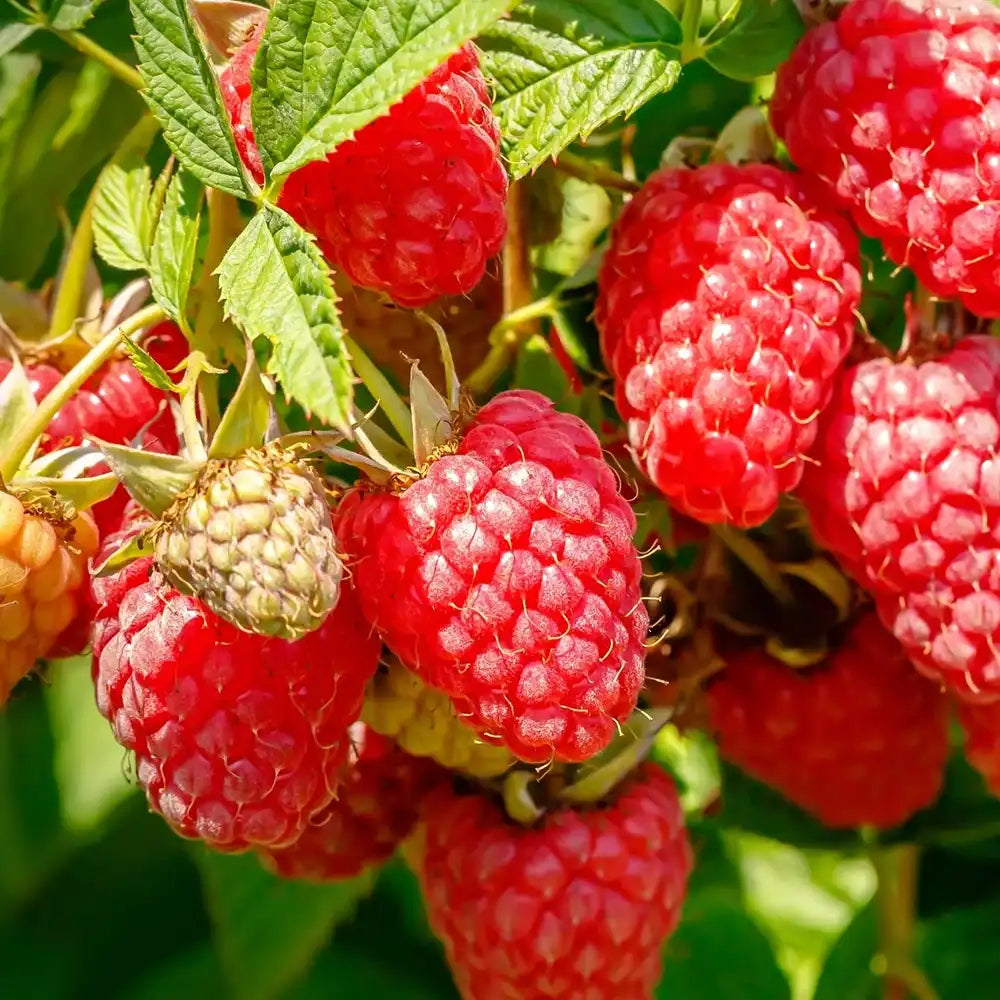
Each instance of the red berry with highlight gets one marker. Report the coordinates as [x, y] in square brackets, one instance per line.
[239, 740]
[506, 576]
[726, 304]
[414, 204]
[578, 906]
[377, 806]
[894, 106]
[861, 739]
[904, 488]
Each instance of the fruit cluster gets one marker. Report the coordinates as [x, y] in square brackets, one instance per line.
[447, 643]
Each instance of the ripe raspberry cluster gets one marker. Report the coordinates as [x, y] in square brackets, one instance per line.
[439, 654]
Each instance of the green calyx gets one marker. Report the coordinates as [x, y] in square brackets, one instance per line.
[528, 795]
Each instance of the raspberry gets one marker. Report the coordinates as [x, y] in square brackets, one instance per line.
[239, 739]
[859, 740]
[394, 337]
[506, 576]
[377, 805]
[578, 906]
[982, 740]
[424, 723]
[42, 573]
[905, 490]
[892, 106]
[412, 205]
[252, 539]
[116, 405]
[726, 304]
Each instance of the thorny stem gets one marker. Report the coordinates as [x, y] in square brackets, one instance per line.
[90, 48]
[748, 552]
[595, 173]
[505, 338]
[397, 412]
[896, 868]
[26, 435]
[691, 47]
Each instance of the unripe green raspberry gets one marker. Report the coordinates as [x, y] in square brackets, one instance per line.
[252, 539]
[424, 723]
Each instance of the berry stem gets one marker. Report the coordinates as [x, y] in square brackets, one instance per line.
[19, 446]
[382, 391]
[126, 73]
[73, 280]
[595, 173]
[505, 338]
[897, 868]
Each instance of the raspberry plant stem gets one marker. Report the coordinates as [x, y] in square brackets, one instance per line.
[90, 48]
[505, 338]
[21, 443]
[595, 173]
[896, 868]
[691, 47]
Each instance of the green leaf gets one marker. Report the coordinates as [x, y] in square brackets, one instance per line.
[11, 36]
[753, 38]
[70, 15]
[88, 759]
[122, 216]
[847, 972]
[749, 805]
[172, 257]
[326, 68]
[17, 402]
[42, 178]
[183, 92]
[694, 966]
[31, 834]
[269, 930]
[275, 285]
[18, 76]
[355, 964]
[958, 952]
[194, 973]
[564, 67]
[93, 84]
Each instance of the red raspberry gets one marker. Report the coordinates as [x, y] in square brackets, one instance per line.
[239, 739]
[859, 740]
[413, 204]
[726, 304]
[506, 576]
[578, 906]
[982, 740]
[905, 490]
[377, 806]
[116, 405]
[894, 107]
